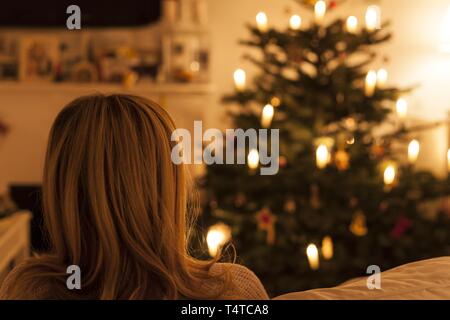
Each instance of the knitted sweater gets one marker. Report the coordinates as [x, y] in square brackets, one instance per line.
[246, 285]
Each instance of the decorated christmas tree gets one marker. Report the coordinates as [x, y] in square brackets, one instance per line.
[347, 194]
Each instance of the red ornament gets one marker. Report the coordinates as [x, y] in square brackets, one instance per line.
[333, 4]
[402, 225]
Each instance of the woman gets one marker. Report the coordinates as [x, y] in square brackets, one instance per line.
[115, 205]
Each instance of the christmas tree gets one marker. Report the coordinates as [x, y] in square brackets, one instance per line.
[347, 194]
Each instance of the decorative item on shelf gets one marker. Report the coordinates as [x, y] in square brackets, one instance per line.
[266, 222]
[84, 71]
[38, 58]
[130, 79]
[358, 225]
[185, 45]
[218, 235]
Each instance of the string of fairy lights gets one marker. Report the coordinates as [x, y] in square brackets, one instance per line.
[219, 234]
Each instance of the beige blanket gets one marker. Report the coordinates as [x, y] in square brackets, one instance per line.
[423, 280]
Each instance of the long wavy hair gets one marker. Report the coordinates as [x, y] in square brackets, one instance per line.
[115, 205]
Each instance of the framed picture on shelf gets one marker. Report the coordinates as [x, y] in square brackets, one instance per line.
[38, 58]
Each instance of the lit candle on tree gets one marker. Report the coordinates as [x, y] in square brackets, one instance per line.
[239, 79]
[320, 8]
[372, 18]
[352, 24]
[371, 83]
[313, 256]
[295, 22]
[402, 108]
[448, 160]
[217, 236]
[327, 248]
[261, 22]
[382, 77]
[253, 159]
[389, 175]
[322, 156]
[267, 115]
[413, 151]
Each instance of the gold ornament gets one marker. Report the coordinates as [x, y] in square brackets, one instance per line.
[266, 222]
[342, 160]
[327, 248]
[290, 206]
[358, 225]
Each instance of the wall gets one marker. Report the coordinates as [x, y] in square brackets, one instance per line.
[414, 59]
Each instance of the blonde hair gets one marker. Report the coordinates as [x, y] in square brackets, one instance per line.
[115, 205]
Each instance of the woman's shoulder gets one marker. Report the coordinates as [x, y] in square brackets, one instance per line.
[246, 284]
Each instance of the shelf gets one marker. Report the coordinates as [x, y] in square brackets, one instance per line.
[140, 88]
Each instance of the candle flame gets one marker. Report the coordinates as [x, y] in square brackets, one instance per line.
[239, 79]
[217, 236]
[413, 151]
[253, 159]
[295, 22]
[389, 175]
[313, 256]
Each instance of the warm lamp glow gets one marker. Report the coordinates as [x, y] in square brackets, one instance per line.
[253, 159]
[295, 22]
[322, 156]
[327, 248]
[352, 24]
[239, 79]
[313, 256]
[267, 115]
[320, 8]
[413, 151]
[371, 83]
[261, 21]
[389, 175]
[217, 236]
[402, 108]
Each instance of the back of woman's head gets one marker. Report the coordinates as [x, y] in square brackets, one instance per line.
[115, 203]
